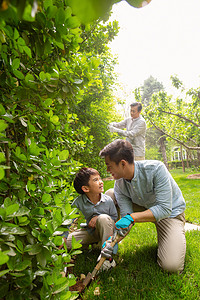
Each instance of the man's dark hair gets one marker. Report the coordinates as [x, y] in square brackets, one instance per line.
[138, 104]
[82, 178]
[118, 150]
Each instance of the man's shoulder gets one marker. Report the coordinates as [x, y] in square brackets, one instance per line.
[141, 119]
[149, 167]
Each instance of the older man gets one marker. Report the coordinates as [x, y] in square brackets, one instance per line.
[135, 130]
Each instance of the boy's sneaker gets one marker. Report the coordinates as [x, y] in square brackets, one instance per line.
[108, 264]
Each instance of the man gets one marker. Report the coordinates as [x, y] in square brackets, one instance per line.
[135, 130]
[146, 192]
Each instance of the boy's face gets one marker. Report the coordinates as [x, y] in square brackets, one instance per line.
[115, 170]
[95, 184]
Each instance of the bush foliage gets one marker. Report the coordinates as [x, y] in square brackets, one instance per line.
[55, 78]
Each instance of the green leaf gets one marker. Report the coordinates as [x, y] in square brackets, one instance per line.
[75, 244]
[2, 157]
[72, 22]
[2, 110]
[60, 16]
[54, 119]
[20, 245]
[46, 198]
[2, 213]
[26, 280]
[27, 50]
[3, 258]
[22, 265]
[41, 258]
[58, 240]
[2, 173]
[63, 155]
[68, 12]
[12, 230]
[21, 41]
[4, 271]
[12, 208]
[16, 34]
[3, 125]
[29, 77]
[51, 11]
[18, 74]
[21, 212]
[15, 63]
[33, 249]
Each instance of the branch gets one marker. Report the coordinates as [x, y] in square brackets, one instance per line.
[178, 115]
[177, 140]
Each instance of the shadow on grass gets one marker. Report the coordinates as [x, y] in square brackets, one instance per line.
[137, 275]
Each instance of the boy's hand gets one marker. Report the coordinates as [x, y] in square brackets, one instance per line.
[122, 226]
[107, 249]
[92, 222]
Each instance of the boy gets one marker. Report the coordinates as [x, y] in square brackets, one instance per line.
[98, 209]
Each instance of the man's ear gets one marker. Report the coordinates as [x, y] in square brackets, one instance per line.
[123, 162]
[85, 188]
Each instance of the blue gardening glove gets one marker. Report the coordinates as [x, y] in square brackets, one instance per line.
[123, 225]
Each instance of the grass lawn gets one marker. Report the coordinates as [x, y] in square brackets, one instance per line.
[137, 275]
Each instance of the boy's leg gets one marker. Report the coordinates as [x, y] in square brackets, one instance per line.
[82, 234]
[104, 227]
[171, 243]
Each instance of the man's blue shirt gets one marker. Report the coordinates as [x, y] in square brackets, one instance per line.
[151, 187]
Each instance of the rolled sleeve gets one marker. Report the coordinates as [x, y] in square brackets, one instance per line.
[124, 202]
[163, 194]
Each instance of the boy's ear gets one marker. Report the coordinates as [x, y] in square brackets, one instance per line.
[85, 188]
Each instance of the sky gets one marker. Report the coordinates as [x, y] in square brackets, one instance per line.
[160, 39]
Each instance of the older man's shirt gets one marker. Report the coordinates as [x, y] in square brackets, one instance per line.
[90, 210]
[151, 187]
[134, 133]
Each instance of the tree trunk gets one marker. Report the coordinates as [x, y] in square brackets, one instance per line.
[163, 150]
[181, 152]
[198, 156]
[187, 159]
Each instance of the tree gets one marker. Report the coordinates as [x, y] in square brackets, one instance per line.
[178, 119]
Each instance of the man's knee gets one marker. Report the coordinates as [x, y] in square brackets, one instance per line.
[171, 265]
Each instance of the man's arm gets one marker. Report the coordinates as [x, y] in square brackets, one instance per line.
[143, 216]
[139, 129]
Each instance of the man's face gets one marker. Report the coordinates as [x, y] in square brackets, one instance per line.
[134, 112]
[95, 184]
[115, 170]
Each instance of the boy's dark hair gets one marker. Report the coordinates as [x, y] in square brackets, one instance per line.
[82, 178]
[138, 104]
[118, 150]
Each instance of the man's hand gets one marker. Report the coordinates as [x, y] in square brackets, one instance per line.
[122, 227]
[107, 249]
[111, 128]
